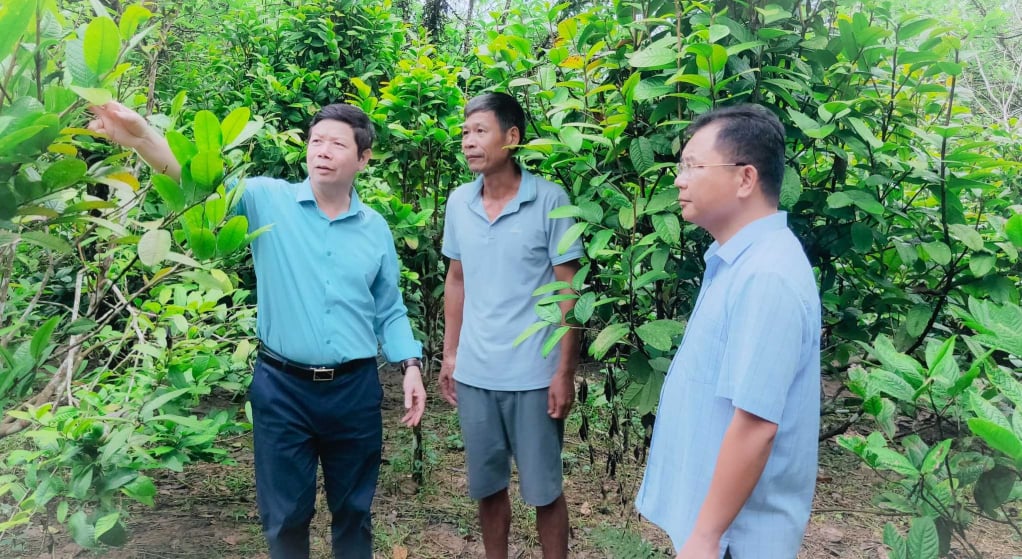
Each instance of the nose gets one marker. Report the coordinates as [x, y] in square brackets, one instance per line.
[679, 181]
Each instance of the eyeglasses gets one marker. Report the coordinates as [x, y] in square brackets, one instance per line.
[686, 167]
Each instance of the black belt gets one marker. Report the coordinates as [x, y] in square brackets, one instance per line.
[312, 372]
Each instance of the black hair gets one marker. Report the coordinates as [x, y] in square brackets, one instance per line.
[353, 117]
[507, 110]
[751, 135]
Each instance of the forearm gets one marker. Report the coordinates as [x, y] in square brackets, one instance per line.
[156, 152]
[743, 456]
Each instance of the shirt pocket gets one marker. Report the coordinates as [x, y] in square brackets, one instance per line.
[701, 353]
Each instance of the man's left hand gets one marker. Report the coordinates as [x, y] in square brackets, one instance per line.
[415, 396]
[561, 395]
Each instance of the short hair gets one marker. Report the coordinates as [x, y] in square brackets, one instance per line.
[752, 135]
[353, 117]
[507, 110]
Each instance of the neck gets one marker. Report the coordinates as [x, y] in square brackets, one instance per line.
[724, 233]
[503, 182]
[332, 199]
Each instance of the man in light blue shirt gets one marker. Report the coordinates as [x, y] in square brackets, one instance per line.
[328, 298]
[732, 465]
[511, 400]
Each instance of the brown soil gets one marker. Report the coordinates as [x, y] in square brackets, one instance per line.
[209, 511]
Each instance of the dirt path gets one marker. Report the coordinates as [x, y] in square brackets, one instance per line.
[208, 511]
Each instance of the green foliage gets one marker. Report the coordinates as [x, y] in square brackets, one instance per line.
[621, 544]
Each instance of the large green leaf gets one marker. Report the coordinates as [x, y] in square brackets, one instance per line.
[606, 339]
[234, 124]
[41, 338]
[14, 18]
[641, 153]
[994, 488]
[660, 334]
[584, 307]
[997, 437]
[207, 132]
[207, 169]
[1013, 230]
[668, 227]
[654, 56]
[101, 45]
[170, 191]
[923, 542]
[232, 235]
[203, 244]
[64, 173]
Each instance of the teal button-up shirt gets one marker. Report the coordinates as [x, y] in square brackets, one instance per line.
[327, 288]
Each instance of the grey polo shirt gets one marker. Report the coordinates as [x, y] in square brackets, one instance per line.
[504, 261]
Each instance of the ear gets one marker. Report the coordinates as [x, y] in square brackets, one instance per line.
[749, 178]
[364, 158]
[514, 136]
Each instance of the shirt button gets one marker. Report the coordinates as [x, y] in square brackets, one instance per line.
[328, 311]
[328, 342]
[328, 253]
[328, 282]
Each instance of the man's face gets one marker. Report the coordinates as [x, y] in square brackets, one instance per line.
[482, 142]
[708, 182]
[332, 154]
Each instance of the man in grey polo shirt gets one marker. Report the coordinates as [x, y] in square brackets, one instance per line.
[511, 400]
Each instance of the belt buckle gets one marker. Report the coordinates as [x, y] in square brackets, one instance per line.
[322, 374]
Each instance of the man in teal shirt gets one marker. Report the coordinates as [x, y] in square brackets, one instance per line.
[328, 298]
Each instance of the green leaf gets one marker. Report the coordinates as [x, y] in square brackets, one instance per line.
[584, 307]
[791, 188]
[864, 132]
[606, 339]
[923, 542]
[14, 18]
[891, 384]
[64, 173]
[203, 244]
[47, 241]
[207, 169]
[41, 338]
[106, 522]
[170, 191]
[234, 124]
[81, 531]
[894, 541]
[653, 56]
[997, 437]
[571, 137]
[530, 331]
[917, 319]
[134, 15]
[993, 488]
[146, 413]
[549, 287]
[938, 251]
[101, 46]
[141, 489]
[180, 146]
[660, 333]
[641, 153]
[154, 246]
[207, 132]
[553, 339]
[888, 459]
[865, 201]
[862, 237]
[232, 235]
[718, 32]
[1006, 384]
[570, 236]
[935, 457]
[1013, 230]
[969, 236]
[668, 227]
[981, 264]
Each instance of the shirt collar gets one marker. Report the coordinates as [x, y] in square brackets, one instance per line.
[526, 193]
[745, 237]
[304, 194]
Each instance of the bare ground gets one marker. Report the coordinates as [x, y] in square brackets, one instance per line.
[209, 511]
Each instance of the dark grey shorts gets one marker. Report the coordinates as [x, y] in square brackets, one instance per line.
[497, 425]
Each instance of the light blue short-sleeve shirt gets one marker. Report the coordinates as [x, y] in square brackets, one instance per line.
[504, 261]
[327, 288]
[752, 342]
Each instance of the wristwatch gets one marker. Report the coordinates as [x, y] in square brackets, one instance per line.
[413, 362]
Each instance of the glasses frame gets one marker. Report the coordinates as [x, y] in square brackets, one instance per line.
[682, 167]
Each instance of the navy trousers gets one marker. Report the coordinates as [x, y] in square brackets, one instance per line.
[298, 423]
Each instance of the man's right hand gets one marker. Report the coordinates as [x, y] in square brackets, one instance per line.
[447, 382]
[127, 128]
[119, 123]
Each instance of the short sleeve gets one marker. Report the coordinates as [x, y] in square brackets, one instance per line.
[449, 246]
[556, 228]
